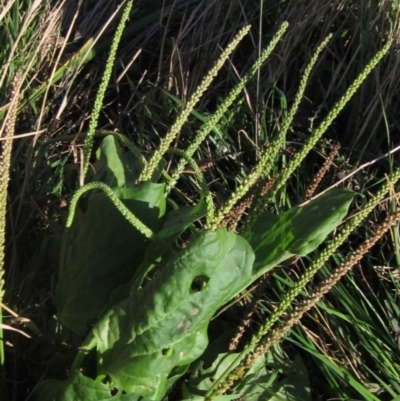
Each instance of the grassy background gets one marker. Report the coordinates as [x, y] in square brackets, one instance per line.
[352, 338]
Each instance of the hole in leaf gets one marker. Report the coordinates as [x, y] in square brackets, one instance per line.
[167, 351]
[199, 283]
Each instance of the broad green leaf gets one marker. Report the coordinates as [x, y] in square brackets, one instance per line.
[204, 376]
[79, 388]
[156, 255]
[110, 157]
[298, 231]
[177, 221]
[132, 168]
[164, 325]
[102, 251]
[114, 167]
[318, 219]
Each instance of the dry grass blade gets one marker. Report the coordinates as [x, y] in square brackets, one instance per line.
[7, 327]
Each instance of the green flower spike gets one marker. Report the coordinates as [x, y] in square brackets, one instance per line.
[115, 200]
[176, 127]
[213, 121]
[339, 239]
[87, 149]
[316, 135]
[265, 162]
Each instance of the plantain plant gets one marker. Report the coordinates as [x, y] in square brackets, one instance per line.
[142, 280]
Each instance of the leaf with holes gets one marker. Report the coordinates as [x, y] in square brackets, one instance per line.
[78, 388]
[164, 326]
